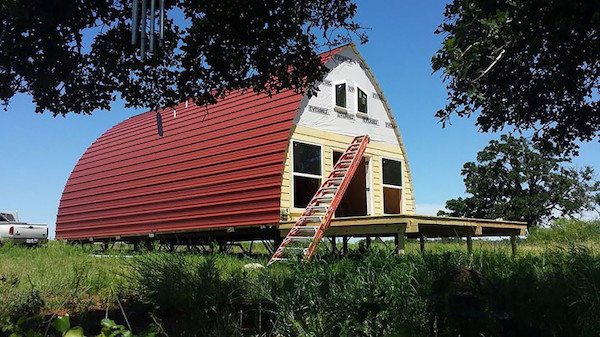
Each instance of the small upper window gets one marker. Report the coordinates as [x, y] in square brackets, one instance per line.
[362, 101]
[340, 95]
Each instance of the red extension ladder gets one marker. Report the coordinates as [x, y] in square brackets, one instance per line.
[304, 237]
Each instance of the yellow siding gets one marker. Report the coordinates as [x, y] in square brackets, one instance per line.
[335, 142]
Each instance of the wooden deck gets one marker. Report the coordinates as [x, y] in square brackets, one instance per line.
[397, 226]
[414, 226]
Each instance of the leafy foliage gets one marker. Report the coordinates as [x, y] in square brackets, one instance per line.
[515, 180]
[529, 64]
[76, 56]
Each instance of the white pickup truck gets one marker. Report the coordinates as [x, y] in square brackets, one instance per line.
[21, 232]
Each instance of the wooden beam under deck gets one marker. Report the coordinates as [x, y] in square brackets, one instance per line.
[412, 226]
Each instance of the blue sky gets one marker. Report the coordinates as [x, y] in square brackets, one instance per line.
[38, 151]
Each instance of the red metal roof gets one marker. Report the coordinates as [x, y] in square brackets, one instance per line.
[215, 166]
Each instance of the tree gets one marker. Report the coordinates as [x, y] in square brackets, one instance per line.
[76, 55]
[516, 180]
[524, 64]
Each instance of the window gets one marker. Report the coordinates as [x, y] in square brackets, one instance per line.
[392, 172]
[306, 173]
[392, 186]
[307, 158]
[340, 95]
[362, 101]
[7, 217]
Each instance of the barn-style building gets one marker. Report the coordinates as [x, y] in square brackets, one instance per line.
[245, 168]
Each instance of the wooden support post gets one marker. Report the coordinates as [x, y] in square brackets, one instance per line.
[469, 244]
[277, 241]
[148, 245]
[334, 244]
[399, 242]
[345, 245]
[513, 244]
[222, 246]
[422, 243]
[368, 242]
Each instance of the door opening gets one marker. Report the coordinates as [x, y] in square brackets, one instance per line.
[355, 199]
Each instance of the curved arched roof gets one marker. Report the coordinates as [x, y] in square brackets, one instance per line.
[215, 166]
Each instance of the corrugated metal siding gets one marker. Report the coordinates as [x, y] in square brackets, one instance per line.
[215, 166]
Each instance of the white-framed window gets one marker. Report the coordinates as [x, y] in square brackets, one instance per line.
[391, 171]
[362, 102]
[307, 172]
[340, 96]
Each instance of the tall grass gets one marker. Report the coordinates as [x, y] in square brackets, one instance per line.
[380, 294]
[62, 277]
[550, 288]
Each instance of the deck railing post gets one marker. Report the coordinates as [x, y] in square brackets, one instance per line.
[422, 243]
[368, 242]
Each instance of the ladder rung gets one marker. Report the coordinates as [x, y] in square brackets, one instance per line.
[296, 248]
[324, 199]
[315, 208]
[297, 238]
[303, 228]
[311, 218]
[340, 170]
[323, 191]
[335, 180]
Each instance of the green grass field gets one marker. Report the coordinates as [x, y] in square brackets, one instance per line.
[551, 287]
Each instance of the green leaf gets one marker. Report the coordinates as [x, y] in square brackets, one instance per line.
[62, 323]
[108, 323]
[74, 332]
[450, 43]
[32, 333]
